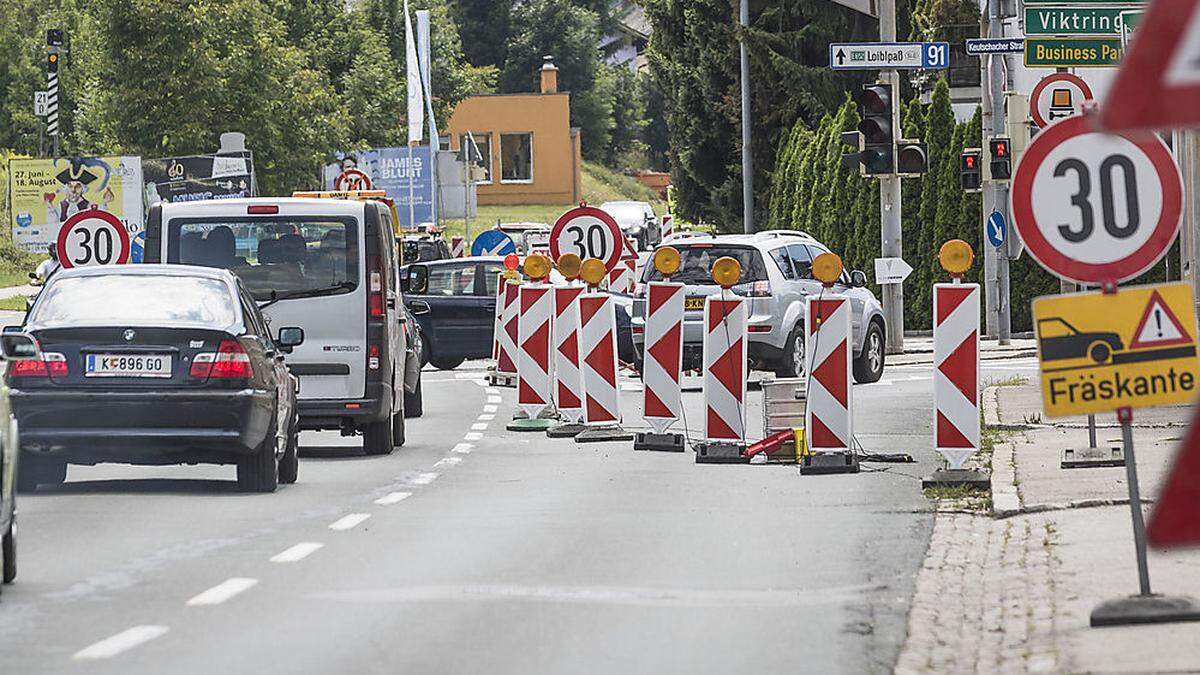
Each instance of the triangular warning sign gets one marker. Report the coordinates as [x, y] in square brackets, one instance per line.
[1159, 326]
[1158, 84]
[1176, 517]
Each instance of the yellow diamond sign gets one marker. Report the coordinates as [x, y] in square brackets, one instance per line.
[1132, 349]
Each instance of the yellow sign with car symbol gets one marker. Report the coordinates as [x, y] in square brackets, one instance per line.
[1135, 348]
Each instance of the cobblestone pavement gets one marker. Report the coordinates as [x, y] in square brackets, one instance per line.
[986, 599]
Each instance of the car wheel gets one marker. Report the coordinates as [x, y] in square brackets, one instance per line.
[868, 367]
[260, 471]
[1099, 351]
[8, 548]
[33, 471]
[792, 362]
[289, 464]
[446, 364]
[424, 351]
[414, 403]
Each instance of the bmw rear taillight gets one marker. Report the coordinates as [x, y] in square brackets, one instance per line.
[377, 287]
[52, 364]
[229, 362]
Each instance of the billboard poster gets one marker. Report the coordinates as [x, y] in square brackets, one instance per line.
[389, 170]
[198, 177]
[44, 193]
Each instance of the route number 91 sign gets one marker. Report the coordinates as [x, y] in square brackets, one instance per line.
[92, 237]
[1095, 207]
[589, 233]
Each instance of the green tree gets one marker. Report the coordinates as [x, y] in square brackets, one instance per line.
[483, 26]
[625, 146]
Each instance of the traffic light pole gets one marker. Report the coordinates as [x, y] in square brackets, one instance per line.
[889, 199]
[1000, 187]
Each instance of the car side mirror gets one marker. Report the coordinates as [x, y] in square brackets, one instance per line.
[418, 307]
[418, 279]
[18, 347]
[289, 338]
[858, 279]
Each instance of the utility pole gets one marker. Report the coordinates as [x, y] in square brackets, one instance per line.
[889, 197]
[991, 295]
[747, 158]
[999, 188]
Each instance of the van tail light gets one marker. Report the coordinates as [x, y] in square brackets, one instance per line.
[373, 357]
[229, 362]
[52, 364]
[377, 287]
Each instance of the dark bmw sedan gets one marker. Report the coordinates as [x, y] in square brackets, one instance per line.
[154, 364]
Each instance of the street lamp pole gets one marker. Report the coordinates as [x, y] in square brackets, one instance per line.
[747, 159]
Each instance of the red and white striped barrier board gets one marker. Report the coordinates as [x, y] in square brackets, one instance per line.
[568, 383]
[533, 353]
[668, 225]
[497, 324]
[664, 355]
[506, 358]
[598, 345]
[725, 368]
[829, 418]
[622, 277]
[956, 371]
[458, 247]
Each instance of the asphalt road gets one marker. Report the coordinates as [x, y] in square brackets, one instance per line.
[474, 549]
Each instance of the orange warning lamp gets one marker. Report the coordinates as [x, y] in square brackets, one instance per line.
[592, 271]
[511, 261]
[569, 265]
[537, 266]
[956, 257]
[726, 271]
[666, 260]
[827, 268]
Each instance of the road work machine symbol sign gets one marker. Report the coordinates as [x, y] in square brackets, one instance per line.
[1131, 349]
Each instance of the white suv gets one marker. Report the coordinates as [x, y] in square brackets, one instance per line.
[329, 266]
[776, 278]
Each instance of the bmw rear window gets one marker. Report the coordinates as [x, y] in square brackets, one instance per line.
[136, 300]
[696, 261]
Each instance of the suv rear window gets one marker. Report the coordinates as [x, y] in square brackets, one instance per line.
[296, 256]
[696, 261]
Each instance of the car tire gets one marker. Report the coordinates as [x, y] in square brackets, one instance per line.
[868, 367]
[8, 548]
[259, 472]
[791, 364]
[289, 464]
[446, 364]
[33, 471]
[414, 403]
[399, 431]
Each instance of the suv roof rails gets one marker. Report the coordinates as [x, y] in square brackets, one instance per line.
[783, 233]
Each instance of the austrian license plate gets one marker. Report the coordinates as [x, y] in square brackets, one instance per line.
[693, 303]
[128, 365]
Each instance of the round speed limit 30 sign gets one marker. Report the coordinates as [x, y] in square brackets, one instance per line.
[1095, 207]
[92, 237]
[589, 233]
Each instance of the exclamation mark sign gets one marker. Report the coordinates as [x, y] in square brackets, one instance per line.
[1158, 320]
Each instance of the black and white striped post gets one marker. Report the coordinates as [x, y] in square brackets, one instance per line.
[54, 44]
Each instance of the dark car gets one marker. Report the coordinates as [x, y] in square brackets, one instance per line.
[454, 302]
[423, 248]
[13, 347]
[154, 364]
[1058, 340]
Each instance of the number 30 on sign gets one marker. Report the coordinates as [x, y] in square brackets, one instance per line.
[92, 237]
[1095, 207]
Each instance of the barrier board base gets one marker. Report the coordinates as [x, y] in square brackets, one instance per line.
[502, 380]
[612, 432]
[977, 479]
[1086, 458]
[661, 442]
[566, 430]
[526, 424]
[721, 452]
[821, 463]
[1143, 609]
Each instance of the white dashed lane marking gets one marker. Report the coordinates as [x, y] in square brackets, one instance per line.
[494, 399]
[489, 408]
[448, 461]
[125, 640]
[424, 478]
[462, 448]
[487, 417]
[297, 553]
[492, 391]
[473, 436]
[393, 498]
[222, 591]
[479, 426]
[348, 521]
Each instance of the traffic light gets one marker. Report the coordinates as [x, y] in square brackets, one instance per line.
[854, 139]
[912, 157]
[969, 176]
[878, 140]
[1001, 151]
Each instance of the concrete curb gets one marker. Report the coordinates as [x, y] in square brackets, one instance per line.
[1067, 506]
[1006, 501]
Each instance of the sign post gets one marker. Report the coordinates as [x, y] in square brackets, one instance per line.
[1101, 209]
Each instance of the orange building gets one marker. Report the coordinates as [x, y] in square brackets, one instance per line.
[530, 152]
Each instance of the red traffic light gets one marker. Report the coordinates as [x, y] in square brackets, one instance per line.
[1000, 148]
[969, 162]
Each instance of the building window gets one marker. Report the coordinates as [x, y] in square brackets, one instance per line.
[484, 142]
[516, 158]
[443, 141]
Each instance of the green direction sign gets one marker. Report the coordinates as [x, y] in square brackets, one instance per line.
[1077, 20]
[1073, 52]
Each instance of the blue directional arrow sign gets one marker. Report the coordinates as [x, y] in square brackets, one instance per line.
[493, 242]
[997, 229]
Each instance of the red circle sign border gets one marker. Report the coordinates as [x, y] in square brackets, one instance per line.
[1045, 82]
[362, 175]
[602, 216]
[1056, 262]
[65, 231]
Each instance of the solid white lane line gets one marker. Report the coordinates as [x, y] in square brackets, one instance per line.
[222, 591]
[348, 521]
[489, 408]
[487, 417]
[424, 478]
[463, 448]
[126, 639]
[296, 553]
[447, 461]
[494, 399]
[473, 436]
[393, 498]
[479, 426]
